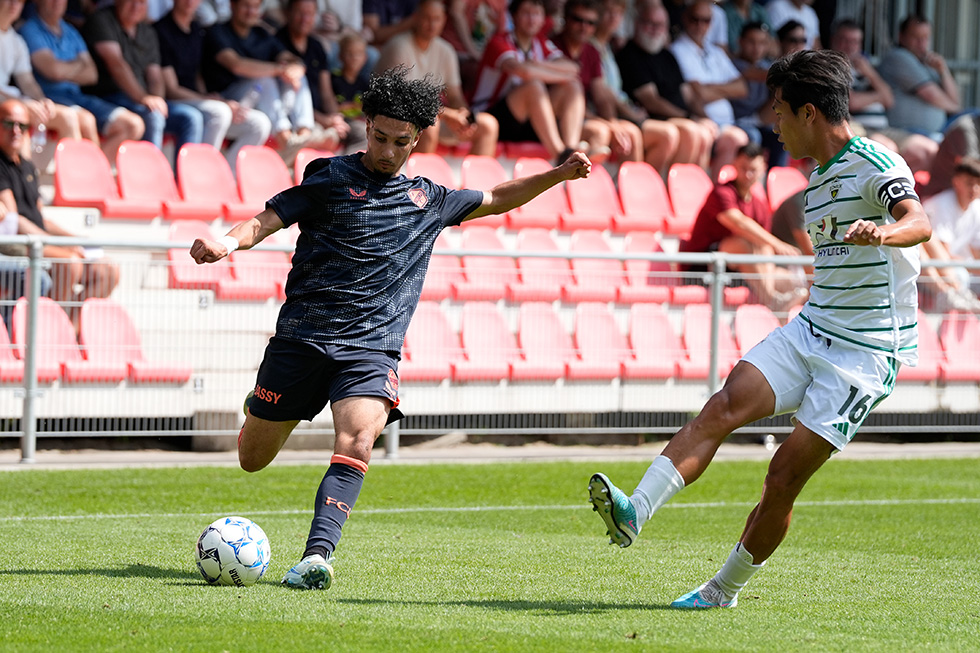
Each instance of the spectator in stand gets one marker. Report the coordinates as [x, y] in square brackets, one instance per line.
[924, 88]
[652, 78]
[62, 65]
[871, 96]
[532, 90]
[960, 140]
[181, 44]
[753, 113]
[735, 219]
[782, 11]
[661, 139]
[739, 13]
[17, 81]
[247, 58]
[471, 24]
[791, 37]
[77, 274]
[955, 217]
[347, 85]
[127, 53]
[384, 19]
[713, 79]
[297, 36]
[426, 54]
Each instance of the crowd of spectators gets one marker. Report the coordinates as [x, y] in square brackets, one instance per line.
[661, 81]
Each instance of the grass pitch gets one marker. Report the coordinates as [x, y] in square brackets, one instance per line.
[504, 557]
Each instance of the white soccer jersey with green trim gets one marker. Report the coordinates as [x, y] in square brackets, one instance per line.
[861, 296]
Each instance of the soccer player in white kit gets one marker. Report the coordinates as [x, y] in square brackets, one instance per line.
[831, 364]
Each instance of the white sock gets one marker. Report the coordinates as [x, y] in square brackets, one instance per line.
[659, 484]
[736, 572]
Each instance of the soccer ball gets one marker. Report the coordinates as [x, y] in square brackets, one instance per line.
[232, 551]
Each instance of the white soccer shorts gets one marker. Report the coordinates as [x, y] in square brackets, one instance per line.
[831, 386]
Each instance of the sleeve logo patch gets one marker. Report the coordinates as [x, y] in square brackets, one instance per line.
[418, 197]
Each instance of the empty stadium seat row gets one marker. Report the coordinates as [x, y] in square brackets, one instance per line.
[204, 189]
[641, 202]
[580, 279]
[486, 350]
[108, 349]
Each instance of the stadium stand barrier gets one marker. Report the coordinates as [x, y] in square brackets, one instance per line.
[162, 359]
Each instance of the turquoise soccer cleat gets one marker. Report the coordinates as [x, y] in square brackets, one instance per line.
[704, 597]
[312, 573]
[616, 510]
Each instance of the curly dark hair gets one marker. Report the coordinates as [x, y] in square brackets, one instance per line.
[391, 94]
[820, 77]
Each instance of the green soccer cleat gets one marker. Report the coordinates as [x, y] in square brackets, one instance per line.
[704, 597]
[312, 573]
[616, 510]
[247, 402]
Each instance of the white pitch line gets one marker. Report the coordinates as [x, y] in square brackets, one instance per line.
[462, 509]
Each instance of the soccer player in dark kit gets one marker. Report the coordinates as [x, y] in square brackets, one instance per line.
[366, 236]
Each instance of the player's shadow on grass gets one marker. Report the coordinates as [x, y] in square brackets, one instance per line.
[539, 608]
[129, 571]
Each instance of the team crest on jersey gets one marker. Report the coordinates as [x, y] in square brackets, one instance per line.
[418, 196]
[357, 194]
[835, 187]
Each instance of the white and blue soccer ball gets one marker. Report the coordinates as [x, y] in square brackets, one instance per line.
[232, 551]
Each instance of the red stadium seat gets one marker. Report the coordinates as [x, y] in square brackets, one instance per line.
[485, 277]
[593, 201]
[753, 322]
[602, 347]
[688, 185]
[431, 346]
[593, 279]
[487, 342]
[109, 337]
[727, 173]
[11, 369]
[783, 182]
[303, 159]
[83, 177]
[57, 351]
[431, 166]
[525, 149]
[145, 175]
[656, 347]
[261, 272]
[643, 195]
[483, 173]
[546, 345]
[218, 277]
[646, 281]
[444, 270]
[932, 361]
[204, 176]
[542, 279]
[546, 209]
[697, 342]
[261, 174]
[960, 338]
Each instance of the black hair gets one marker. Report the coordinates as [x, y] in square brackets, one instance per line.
[754, 25]
[783, 32]
[516, 4]
[818, 77]
[589, 5]
[750, 150]
[845, 24]
[910, 21]
[391, 94]
[968, 165]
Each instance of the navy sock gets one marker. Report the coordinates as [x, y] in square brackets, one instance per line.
[334, 501]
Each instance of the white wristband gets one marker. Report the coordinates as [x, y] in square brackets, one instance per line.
[230, 242]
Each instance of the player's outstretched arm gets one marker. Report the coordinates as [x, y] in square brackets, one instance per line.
[247, 234]
[511, 194]
[910, 228]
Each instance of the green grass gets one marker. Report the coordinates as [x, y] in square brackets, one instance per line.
[881, 556]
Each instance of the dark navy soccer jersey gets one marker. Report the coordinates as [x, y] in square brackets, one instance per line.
[363, 250]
